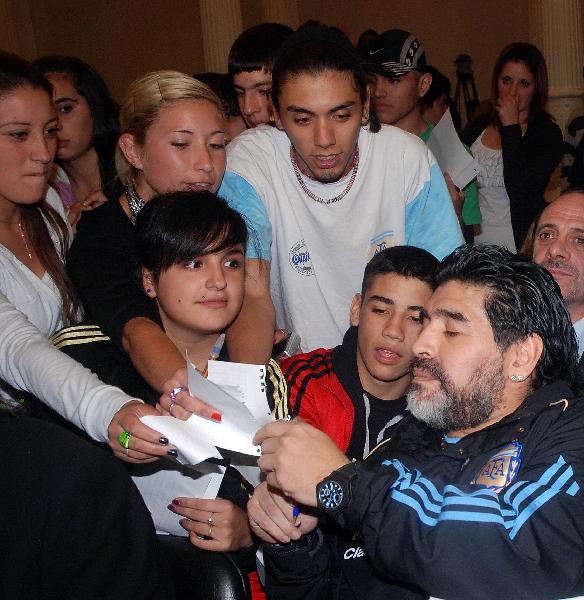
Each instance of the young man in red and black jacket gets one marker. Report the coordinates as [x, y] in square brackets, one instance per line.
[354, 393]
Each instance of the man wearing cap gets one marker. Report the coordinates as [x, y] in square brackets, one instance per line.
[397, 63]
[324, 192]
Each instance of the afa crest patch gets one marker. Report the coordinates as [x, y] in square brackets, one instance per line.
[379, 243]
[501, 469]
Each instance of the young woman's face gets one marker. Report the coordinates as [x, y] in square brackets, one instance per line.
[201, 296]
[76, 135]
[515, 78]
[28, 141]
[184, 149]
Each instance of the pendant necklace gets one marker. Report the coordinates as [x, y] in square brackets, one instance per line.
[24, 240]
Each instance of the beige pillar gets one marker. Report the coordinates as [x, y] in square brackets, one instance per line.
[556, 29]
[221, 23]
[281, 11]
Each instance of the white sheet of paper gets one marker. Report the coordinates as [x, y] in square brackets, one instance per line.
[451, 154]
[162, 481]
[192, 447]
[237, 427]
[197, 439]
[253, 380]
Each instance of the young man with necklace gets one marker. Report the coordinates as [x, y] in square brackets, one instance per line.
[326, 192]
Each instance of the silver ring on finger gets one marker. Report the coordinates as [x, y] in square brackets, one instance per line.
[172, 403]
[210, 530]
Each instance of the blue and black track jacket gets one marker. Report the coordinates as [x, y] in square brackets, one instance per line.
[500, 514]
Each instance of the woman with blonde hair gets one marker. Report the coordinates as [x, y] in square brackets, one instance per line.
[173, 138]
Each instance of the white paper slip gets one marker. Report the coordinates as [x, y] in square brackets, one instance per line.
[451, 154]
[250, 379]
[238, 426]
[162, 481]
[242, 389]
[192, 446]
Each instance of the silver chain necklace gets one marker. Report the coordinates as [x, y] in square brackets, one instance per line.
[313, 195]
[135, 203]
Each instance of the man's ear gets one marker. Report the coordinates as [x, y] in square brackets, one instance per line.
[148, 283]
[521, 358]
[355, 310]
[131, 149]
[424, 84]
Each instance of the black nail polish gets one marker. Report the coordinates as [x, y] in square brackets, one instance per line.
[163, 441]
[172, 453]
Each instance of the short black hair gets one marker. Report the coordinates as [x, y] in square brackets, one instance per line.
[407, 261]
[315, 48]
[104, 109]
[256, 48]
[176, 227]
[523, 299]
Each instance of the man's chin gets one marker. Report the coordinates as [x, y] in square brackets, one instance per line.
[326, 176]
[428, 406]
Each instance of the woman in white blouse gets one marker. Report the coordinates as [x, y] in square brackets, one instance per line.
[36, 297]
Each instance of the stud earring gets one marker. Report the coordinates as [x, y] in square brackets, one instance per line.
[517, 378]
[148, 290]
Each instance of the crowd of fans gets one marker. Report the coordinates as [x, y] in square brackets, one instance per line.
[429, 440]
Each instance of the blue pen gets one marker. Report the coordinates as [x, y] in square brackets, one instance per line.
[295, 514]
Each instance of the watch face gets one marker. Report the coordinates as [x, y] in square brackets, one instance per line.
[330, 495]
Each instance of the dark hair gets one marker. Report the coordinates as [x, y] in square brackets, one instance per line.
[523, 299]
[315, 48]
[104, 109]
[220, 83]
[176, 227]
[407, 261]
[256, 48]
[15, 72]
[533, 59]
[439, 87]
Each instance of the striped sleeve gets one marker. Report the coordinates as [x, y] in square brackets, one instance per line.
[456, 539]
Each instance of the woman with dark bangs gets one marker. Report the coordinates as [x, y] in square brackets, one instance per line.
[191, 255]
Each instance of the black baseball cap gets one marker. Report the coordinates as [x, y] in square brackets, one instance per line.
[395, 53]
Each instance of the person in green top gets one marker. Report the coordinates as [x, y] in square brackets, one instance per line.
[397, 62]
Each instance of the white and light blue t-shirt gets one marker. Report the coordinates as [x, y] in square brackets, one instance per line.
[318, 252]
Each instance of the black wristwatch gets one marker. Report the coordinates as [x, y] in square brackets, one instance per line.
[334, 492]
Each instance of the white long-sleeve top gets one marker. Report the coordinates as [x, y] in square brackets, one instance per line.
[30, 311]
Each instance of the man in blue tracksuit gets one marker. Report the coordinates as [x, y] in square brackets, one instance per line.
[478, 493]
